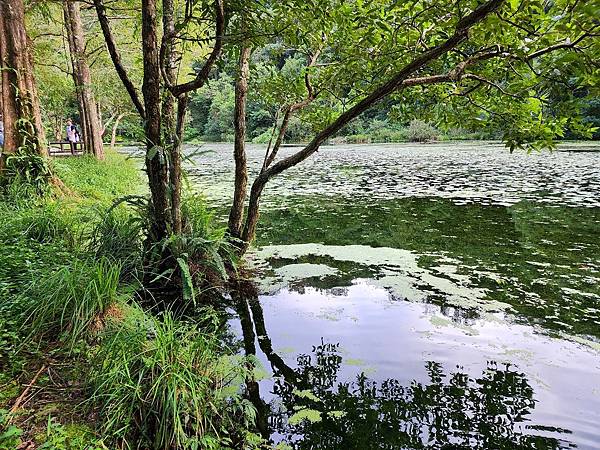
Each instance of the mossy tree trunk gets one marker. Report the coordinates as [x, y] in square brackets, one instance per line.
[236, 214]
[21, 114]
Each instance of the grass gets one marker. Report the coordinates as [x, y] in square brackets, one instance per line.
[68, 266]
[118, 236]
[101, 181]
[66, 303]
[162, 383]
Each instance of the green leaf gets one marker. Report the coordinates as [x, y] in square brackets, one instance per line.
[186, 280]
[152, 152]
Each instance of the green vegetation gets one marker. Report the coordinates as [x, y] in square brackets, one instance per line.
[163, 380]
[69, 270]
[106, 283]
[103, 183]
[212, 108]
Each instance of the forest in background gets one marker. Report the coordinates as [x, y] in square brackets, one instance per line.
[211, 108]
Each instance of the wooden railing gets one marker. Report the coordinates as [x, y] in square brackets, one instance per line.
[65, 148]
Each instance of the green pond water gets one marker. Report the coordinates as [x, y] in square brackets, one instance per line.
[424, 296]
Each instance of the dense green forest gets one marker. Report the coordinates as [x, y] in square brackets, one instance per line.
[276, 66]
[212, 108]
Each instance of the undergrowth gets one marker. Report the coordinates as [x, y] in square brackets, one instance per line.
[70, 263]
[68, 301]
[163, 384]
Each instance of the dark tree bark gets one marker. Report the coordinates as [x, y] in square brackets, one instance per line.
[20, 106]
[236, 213]
[88, 108]
[156, 163]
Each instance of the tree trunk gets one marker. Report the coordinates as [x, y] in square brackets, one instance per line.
[20, 106]
[239, 151]
[88, 108]
[182, 104]
[156, 164]
[172, 126]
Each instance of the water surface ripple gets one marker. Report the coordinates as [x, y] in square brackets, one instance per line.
[424, 296]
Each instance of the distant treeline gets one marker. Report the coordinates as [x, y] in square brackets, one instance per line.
[392, 120]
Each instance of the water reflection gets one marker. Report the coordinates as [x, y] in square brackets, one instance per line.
[543, 261]
[310, 407]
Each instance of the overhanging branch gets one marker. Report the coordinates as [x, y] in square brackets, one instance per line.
[116, 57]
[204, 72]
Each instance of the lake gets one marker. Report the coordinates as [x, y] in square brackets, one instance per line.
[424, 296]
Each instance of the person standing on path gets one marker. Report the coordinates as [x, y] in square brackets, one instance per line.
[71, 135]
[1, 134]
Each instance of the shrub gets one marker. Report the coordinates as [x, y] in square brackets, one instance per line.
[419, 131]
[118, 236]
[195, 260]
[161, 383]
[65, 303]
[390, 135]
[263, 138]
[358, 139]
[26, 173]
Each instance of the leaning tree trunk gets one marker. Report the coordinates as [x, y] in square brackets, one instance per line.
[395, 83]
[88, 108]
[20, 106]
[241, 167]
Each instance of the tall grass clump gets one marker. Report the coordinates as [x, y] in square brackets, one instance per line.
[65, 303]
[118, 236]
[161, 384]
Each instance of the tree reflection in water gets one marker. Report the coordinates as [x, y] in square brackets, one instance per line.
[449, 411]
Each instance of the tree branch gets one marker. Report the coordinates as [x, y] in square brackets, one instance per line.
[290, 110]
[459, 36]
[559, 46]
[203, 74]
[116, 57]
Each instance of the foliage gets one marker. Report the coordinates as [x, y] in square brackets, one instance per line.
[26, 174]
[9, 434]
[61, 437]
[193, 262]
[162, 383]
[419, 131]
[66, 304]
